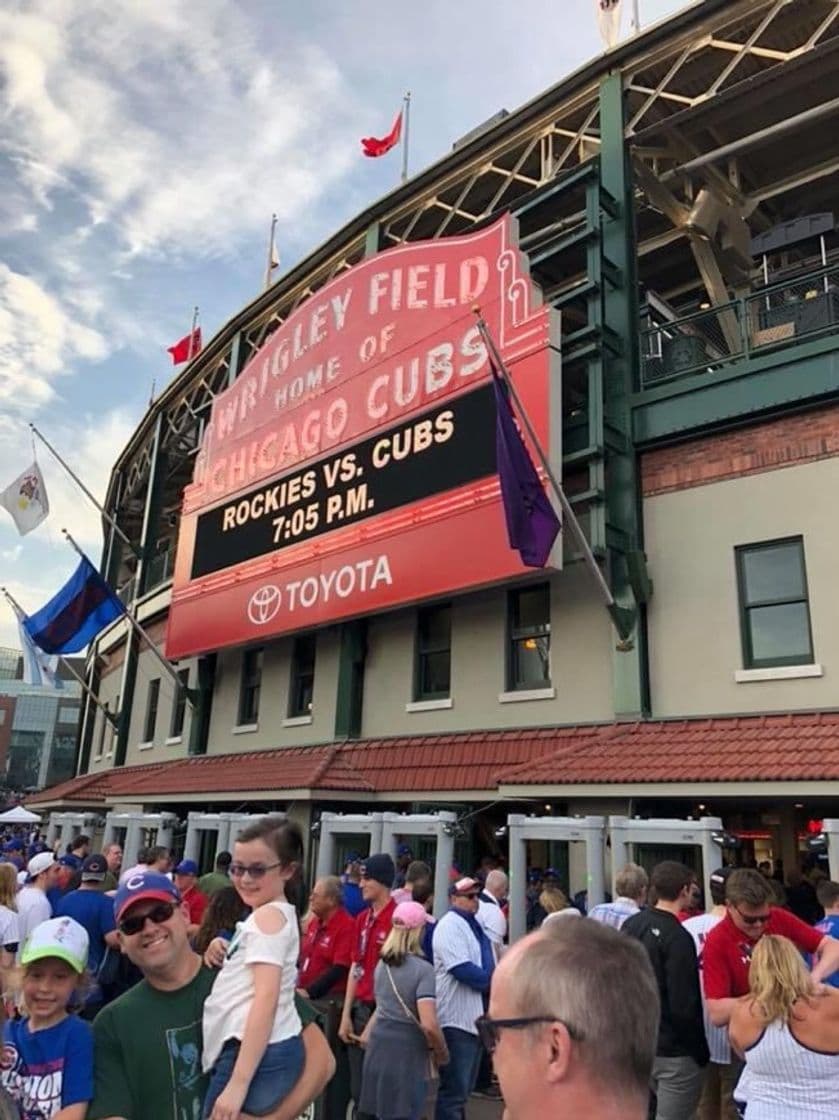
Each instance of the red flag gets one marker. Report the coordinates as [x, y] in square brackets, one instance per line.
[186, 347]
[373, 147]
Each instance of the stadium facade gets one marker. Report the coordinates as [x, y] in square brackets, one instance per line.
[668, 212]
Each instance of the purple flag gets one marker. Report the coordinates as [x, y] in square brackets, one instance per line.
[532, 523]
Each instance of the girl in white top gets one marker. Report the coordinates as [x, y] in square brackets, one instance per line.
[252, 1032]
[787, 1029]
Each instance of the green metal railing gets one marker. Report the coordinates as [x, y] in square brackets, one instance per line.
[779, 315]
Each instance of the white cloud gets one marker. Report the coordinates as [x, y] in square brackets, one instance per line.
[39, 341]
[178, 131]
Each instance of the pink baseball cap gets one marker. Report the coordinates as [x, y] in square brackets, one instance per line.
[409, 915]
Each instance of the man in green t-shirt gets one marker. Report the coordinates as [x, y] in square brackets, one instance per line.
[147, 1043]
[215, 881]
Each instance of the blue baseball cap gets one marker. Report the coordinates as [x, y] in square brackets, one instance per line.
[186, 867]
[404, 850]
[145, 884]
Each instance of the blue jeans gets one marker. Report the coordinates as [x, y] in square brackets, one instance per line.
[457, 1079]
[276, 1075]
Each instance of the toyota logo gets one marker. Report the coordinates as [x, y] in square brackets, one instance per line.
[264, 604]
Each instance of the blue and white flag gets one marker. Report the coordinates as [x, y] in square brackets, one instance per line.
[72, 618]
[39, 668]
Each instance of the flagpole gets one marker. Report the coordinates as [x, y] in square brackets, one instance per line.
[405, 134]
[269, 265]
[84, 489]
[138, 629]
[620, 615]
[189, 354]
[636, 17]
[19, 611]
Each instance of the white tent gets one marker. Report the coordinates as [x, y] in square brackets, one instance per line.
[19, 815]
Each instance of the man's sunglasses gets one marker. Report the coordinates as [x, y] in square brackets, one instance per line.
[753, 919]
[489, 1030]
[135, 923]
[254, 870]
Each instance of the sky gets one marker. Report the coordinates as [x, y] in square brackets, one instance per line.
[143, 149]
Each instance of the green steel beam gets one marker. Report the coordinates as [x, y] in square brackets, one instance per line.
[715, 402]
[622, 510]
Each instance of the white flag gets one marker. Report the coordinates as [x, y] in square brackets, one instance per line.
[26, 500]
[609, 21]
[39, 668]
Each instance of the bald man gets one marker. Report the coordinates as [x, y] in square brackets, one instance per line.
[573, 1024]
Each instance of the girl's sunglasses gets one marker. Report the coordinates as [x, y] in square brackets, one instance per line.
[135, 923]
[254, 870]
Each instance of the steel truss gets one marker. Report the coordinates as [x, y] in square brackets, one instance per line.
[680, 81]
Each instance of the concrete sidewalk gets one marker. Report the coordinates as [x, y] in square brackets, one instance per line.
[478, 1109]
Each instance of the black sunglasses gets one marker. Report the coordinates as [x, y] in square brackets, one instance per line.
[135, 923]
[254, 870]
[489, 1030]
[753, 919]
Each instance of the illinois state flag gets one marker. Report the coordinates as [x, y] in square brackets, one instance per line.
[373, 146]
[26, 500]
[532, 523]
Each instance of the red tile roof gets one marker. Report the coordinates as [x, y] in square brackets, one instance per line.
[794, 747]
[780, 748]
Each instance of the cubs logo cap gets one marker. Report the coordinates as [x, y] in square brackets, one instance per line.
[64, 938]
[144, 884]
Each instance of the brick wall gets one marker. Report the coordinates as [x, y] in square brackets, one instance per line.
[113, 659]
[802, 438]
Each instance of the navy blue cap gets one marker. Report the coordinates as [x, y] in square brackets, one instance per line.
[187, 867]
[144, 884]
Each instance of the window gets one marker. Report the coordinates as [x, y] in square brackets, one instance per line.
[432, 674]
[179, 706]
[103, 730]
[151, 710]
[302, 688]
[250, 686]
[774, 608]
[529, 647]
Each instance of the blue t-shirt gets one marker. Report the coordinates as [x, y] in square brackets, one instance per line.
[45, 1071]
[353, 898]
[93, 910]
[830, 926]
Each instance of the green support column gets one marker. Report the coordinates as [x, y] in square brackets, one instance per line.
[234, 365]
[620, 356]
[151, 516]
[349, 699]
[352, 653]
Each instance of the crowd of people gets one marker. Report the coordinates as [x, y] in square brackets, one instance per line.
[153, 991]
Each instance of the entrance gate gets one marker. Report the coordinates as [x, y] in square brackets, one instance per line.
[220, 829]
[437, 825]
[333, 825]
[135, 824]
[625, 832]
[574, 830]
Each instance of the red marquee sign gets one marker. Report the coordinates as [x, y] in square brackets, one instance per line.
[351, 466]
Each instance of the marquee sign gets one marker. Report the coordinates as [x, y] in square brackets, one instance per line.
[351, 466]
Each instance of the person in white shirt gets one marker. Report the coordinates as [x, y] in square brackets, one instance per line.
[631, 884]
[490, 915]
[33, 906]
[463, 965]
[721, 1073]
